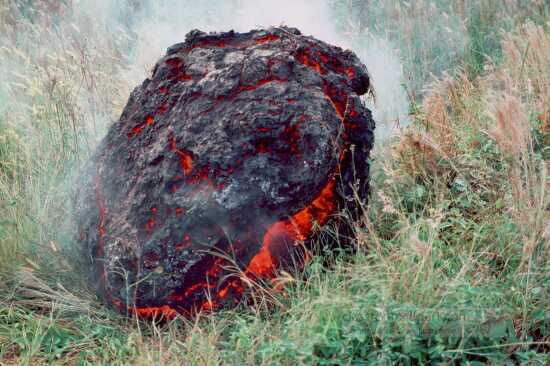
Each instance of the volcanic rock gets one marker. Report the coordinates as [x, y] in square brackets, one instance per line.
[224, 162]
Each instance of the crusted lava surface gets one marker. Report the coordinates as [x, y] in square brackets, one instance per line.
[222, 164]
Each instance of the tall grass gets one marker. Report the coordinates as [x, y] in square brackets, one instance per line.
[438, 36]
[60, 88]
[452, 255]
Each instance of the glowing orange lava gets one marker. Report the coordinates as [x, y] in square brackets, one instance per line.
[267, 38]
[149, 120]
[155, 312]
[152, 221]
[163, 108]
[297, 228]
[186, 160]
[210, 43]
[185, 77]
[307, 58]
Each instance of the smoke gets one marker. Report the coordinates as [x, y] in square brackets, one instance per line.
[155, 25]
[161, 24]
[390, 109]
[101, 49]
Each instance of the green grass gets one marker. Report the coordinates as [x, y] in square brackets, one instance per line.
[451, 261]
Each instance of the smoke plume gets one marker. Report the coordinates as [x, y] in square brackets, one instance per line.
[155, 25]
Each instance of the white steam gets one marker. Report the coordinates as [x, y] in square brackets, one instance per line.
[391, 108]
[159, 24]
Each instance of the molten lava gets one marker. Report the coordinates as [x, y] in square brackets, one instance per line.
[297, 228]
[222, 165]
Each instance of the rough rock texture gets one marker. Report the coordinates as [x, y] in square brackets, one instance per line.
[221, 164]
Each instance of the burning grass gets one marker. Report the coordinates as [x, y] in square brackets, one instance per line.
[452, 253]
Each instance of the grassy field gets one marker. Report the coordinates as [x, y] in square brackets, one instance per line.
[452, 262]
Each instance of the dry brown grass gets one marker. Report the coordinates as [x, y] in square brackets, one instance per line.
[434, 147]
[495, 105]
[524, 79]
[458, 114]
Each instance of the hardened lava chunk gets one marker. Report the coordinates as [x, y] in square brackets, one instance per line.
[222, 165]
